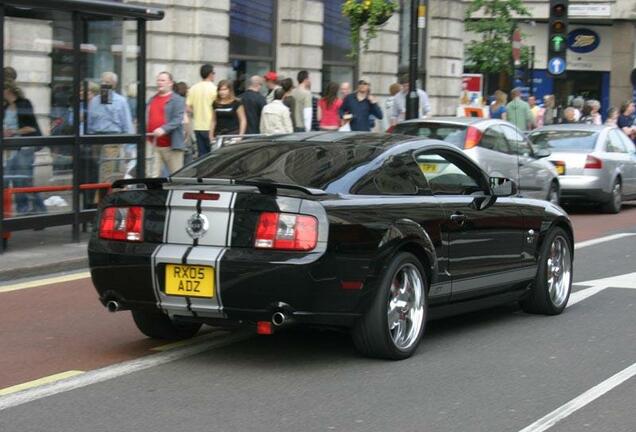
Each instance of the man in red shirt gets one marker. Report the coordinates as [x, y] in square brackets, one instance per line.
[165, 128]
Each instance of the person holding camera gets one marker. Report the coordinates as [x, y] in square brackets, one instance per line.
[358, 107]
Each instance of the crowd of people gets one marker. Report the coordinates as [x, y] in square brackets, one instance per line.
[529, 114]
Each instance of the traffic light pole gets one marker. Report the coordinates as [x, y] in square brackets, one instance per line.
[413, 101]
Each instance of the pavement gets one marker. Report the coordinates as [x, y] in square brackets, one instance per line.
[51, 250]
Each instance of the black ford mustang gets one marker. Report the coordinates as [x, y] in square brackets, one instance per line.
[376, 233]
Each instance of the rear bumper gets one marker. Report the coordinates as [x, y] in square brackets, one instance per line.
[583, 188]
[250, 285]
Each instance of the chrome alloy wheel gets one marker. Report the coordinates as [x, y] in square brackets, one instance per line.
[405, 308]
[559, 271]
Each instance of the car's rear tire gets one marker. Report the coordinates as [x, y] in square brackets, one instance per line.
[615, 202]
[552, 286]
[394, 324]
[158, 325]
[554, 195]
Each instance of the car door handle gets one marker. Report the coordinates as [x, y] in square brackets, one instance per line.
[458, 218]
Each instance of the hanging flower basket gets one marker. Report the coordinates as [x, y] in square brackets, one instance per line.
[369, 14]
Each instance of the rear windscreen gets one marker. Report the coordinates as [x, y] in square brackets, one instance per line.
[560, 140]
[452, 134]
[313, 166]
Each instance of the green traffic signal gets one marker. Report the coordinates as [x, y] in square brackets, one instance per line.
[557, 43]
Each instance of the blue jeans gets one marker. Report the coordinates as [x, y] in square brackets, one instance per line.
[203, 142]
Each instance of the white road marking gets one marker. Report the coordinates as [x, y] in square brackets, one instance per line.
[117, 370]
[580, 401]
[45, 281]
[583, 244]
[626, 281]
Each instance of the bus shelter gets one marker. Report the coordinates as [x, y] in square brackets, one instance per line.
[73, 108]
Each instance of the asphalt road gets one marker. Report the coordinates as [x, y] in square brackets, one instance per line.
[494, 370]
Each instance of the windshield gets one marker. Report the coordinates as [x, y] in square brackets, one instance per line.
[312, 166]
[452, 134]
[568, 141]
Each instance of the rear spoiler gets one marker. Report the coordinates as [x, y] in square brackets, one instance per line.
[264, 187]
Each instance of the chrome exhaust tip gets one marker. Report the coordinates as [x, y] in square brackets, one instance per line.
[279, 318]
[112, 306]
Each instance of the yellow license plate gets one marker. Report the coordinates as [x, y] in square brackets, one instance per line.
[560, 169]
[428, 168]
[189, 280]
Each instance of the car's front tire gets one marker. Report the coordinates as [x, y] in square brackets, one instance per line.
[394, 324]
[158, 325]
[553, 283]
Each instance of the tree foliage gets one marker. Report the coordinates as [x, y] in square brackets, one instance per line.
[492, 52]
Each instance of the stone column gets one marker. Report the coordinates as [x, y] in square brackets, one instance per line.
[445, 55]
[623, 61]
[299, 40]
[193, 32]
[381, 61]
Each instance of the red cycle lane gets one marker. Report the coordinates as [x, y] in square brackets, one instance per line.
[589, 223]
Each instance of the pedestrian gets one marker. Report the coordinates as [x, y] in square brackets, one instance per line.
[276, 117]
[625, 120]
[518, 111]
[181, 88]
[586, 115]
[399, 102]
[199, 102]
[597, 118]
[569, 115]
[288, 86]
[10, 74]
[109, 114]
[357, 107]
[271, 82]
[228, 113]
[165, 128]
[549, 110]
[302, 103]
[498, 107]
[612, 116]
[345, 90]
[19, 121]
[253, 103]
[578, 103]
[536, 110]
[389, 102]
[329, 108]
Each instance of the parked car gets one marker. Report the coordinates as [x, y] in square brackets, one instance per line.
[595, 163]
[497, 146]
[374, 233]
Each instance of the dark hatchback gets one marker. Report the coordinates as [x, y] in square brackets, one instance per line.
[374, 233]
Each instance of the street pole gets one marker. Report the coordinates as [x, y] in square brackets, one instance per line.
[412, 103]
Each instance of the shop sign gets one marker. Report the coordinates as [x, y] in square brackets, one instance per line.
[583, 40]
[590, 10]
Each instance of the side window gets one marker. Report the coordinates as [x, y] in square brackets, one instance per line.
[447, 174]
[627, 143]
[518, 143]
[399, 175]
[614, 143]
[494, 139]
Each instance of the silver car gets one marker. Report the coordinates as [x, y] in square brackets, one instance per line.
[499, 147]
[596, 163]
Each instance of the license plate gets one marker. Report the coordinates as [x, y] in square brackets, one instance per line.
[560, 169]
[428, 167]
[189, 280]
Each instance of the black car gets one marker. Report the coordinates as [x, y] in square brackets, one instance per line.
[374, 233]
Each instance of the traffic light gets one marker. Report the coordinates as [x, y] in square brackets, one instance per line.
[557, 37]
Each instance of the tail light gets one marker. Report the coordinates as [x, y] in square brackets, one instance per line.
[593, 163]
[473, 136]
[122, 223]
[285, 231]
[560, 167]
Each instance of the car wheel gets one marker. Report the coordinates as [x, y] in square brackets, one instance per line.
[158, 325]
[616, 200]
[553, 283]
[554, 195]
[394, 324]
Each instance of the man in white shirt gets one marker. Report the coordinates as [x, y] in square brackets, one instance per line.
[399, 102]
[275, 117]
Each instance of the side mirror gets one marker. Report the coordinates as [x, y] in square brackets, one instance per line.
[503, 187]
[542, 153]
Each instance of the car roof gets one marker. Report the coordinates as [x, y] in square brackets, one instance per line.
[573, 127]
[453, 120]
[381, 140]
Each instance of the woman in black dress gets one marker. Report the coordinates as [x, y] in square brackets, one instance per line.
[228, 113]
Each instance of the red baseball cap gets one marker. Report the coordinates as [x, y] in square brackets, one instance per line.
[271, 76]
